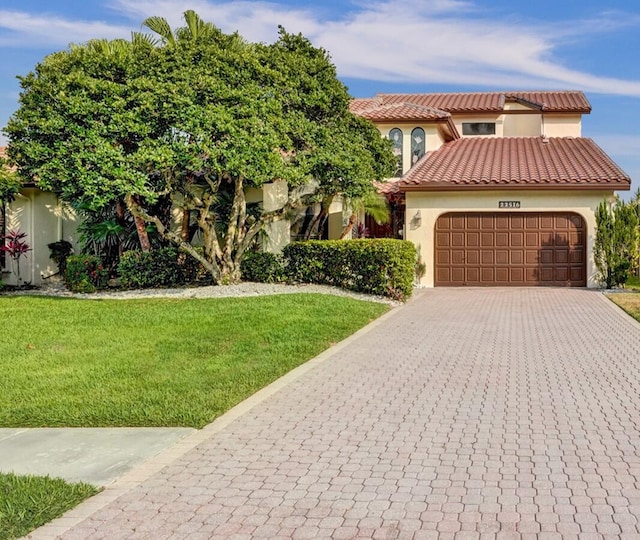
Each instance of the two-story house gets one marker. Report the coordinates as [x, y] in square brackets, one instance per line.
[500, 188]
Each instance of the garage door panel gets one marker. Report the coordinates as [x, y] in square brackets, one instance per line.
[487, 274]
[502, 239]
[442, 239]
[473, 256]
[517, 239]
[531, 239]
[516, 275]
[458, 275]
[510, 248]
[531, 257]
[502, 275]
[502, 256]
[546, 222]
[473, 275]
[458, 256]
[486, 239]
[458, 239]
[546, 256]
[473, 239]
[458, 222]
[502, 222]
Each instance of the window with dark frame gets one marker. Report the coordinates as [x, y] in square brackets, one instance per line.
[478, 128]
[396, 138]
[417, 145]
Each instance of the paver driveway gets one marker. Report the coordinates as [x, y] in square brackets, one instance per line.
[468, 413]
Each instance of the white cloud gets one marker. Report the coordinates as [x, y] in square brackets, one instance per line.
[442, 41]
[436, 42]
[22, 29]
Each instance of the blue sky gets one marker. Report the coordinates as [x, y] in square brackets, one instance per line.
[392, 46]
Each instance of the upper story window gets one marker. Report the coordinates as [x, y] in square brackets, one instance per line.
[478, 128]
[417, 145]
[396, 138]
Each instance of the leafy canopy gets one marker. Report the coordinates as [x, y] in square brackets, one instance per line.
[191, 116]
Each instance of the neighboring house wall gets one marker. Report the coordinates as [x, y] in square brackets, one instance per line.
[45, 220]
[430, 205]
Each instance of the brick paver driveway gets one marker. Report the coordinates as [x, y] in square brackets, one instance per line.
[471, 413]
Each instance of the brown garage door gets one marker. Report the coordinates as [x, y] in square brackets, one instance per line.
[510, 248]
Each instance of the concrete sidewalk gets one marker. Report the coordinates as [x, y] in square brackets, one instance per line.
[467, 413]
[97, 456]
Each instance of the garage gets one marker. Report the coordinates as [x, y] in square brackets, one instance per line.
[510, 249]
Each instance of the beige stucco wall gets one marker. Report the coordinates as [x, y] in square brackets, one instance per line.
[423, 209]
[522, 125]
[45, 220]
[563, 125]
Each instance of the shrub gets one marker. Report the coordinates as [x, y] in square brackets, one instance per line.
[59, 251]
[85, 273]
[262, 267]
[157, 268]
[164, 267]
[376, 266]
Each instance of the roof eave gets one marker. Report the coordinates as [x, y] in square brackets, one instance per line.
[611, 186]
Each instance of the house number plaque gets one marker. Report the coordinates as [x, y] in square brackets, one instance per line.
[508, 204]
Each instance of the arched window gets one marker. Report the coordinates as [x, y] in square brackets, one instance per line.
[396, 138]
[417, 145]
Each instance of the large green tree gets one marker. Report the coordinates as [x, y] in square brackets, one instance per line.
[196, 116]
[617, 242]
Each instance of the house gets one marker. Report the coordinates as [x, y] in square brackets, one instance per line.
[44, 219]
[499, 188]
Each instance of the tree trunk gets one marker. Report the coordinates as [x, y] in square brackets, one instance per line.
[120, 220]
[184, 230]
[347, 230]
[141, 228]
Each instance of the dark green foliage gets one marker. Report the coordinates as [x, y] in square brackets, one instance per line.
[27, 502]
[158, 268]
[617, 241]
[197, 117]
[165, 267]
[262, 267]
[376, 266]
[59, 252]
[85, 274]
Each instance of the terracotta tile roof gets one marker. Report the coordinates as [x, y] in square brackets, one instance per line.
[516, 162]
[387, 188]
[397, 112]
[479, 102]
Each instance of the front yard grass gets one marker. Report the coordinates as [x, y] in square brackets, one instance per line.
[27, 502]
[630, 302]
[157, 362]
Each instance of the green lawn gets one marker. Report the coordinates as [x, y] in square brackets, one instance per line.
[26, 502]
[157, 362]
[630, 302]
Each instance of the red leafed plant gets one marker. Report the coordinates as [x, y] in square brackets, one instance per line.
[15, 246]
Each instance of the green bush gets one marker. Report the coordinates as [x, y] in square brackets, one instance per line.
[375, 266]
[85, 273]
[262, 267]
[156, 268]
[164, 267]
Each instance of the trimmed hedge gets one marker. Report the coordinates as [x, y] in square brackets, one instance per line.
[380, 266]
[262, 267]
[85, 274]
[164, 267]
